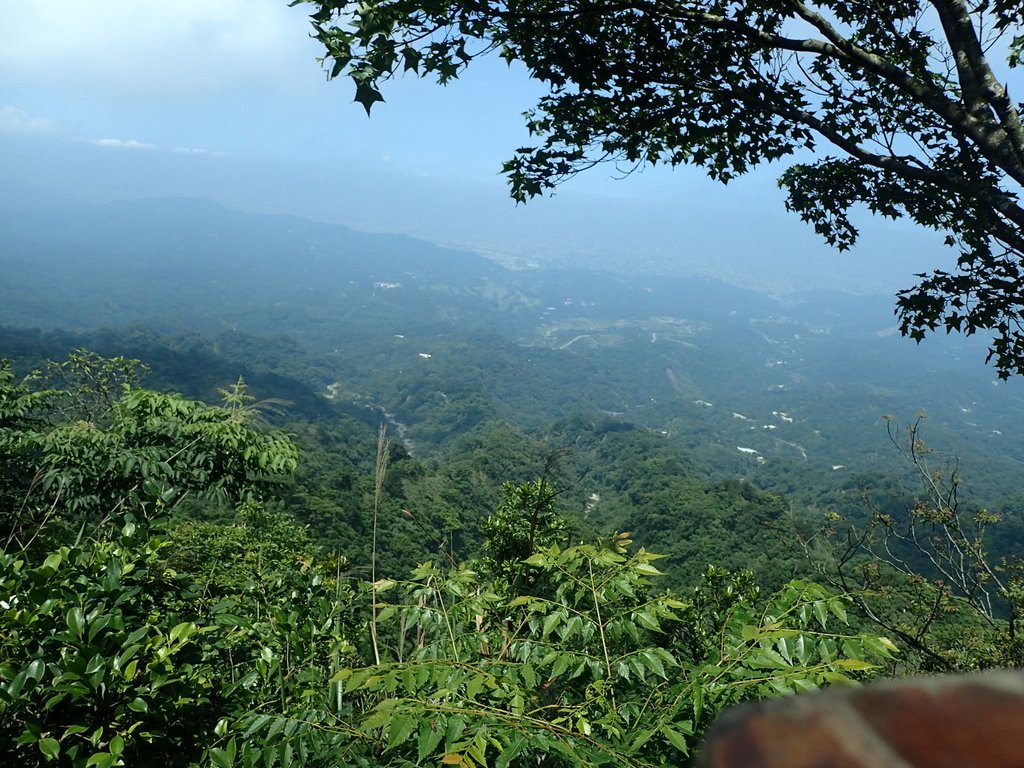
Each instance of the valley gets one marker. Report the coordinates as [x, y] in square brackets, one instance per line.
[439, 343]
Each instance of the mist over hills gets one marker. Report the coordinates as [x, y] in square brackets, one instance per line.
[672, 230]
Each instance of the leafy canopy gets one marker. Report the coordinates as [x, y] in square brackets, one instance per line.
[134, 637]
[901, 109]
[596, 668]
[99, 444]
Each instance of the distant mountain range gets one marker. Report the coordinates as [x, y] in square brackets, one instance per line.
[441, 339]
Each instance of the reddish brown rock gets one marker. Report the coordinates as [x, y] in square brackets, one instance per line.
[969, 721]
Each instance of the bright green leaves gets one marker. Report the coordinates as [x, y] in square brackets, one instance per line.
[557, 675]
[593, 667]
[109, 657]
[144, 448]
[49, 747]
[107, 654]
[785, 647]
[228, 645]
[524, 523]
[87, 650]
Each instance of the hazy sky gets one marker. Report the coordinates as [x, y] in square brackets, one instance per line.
[225, 99]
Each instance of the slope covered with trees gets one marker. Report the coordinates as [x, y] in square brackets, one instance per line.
[138, 632]
[476, 585]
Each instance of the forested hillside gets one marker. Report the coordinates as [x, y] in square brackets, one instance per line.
[337, 498]
[445, 340]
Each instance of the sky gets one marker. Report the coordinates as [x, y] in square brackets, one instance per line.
[121, 99]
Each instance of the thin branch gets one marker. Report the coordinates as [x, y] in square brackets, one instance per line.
[380, 470]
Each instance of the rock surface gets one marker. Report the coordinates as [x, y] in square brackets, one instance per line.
[955, 721]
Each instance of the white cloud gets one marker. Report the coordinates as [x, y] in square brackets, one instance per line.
[154, 49]
[122, 143]
[18, 121]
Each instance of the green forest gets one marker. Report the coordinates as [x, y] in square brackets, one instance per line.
[285, 493]
[483, 520]
[182, 588]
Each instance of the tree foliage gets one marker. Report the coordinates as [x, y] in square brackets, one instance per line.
[127, 636]
[590, 672]
[110, 657]
[155, 639]
[903, 109]
[102, 445]
[927, 573]
[88, 654]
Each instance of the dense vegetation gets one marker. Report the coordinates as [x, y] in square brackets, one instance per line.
[273, 581]
[140, 631]
[180, 592]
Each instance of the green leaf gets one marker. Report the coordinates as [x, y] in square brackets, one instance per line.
[647, 569]
[551, 622]
[225, 758]
[50, 748]
[100, 760]
[256, 725]
[562, 662]
[341, 674]
[838, 610]
[429, 737]
[367, 95]
[509, 753]
[529, 676]
[622, 670]
[409, 679]
[676, 739]
[17, 682]
[837, 678]
[183, 631]
[652, 662]
[882, 646]
[456, 725]
[95, 664]
[799, 649]
[400, 728]
[821, 611]
[35, 670]
[803, 685]
[139, 705]
[750, 632]
[75, 621]
[853, 664]
[783, 646]
[647, 621]
[473, 686]
[765, 658]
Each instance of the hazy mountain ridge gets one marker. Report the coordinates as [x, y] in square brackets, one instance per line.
[443, 339]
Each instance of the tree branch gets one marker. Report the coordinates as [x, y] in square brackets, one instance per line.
[982, 90]
[991, 142]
